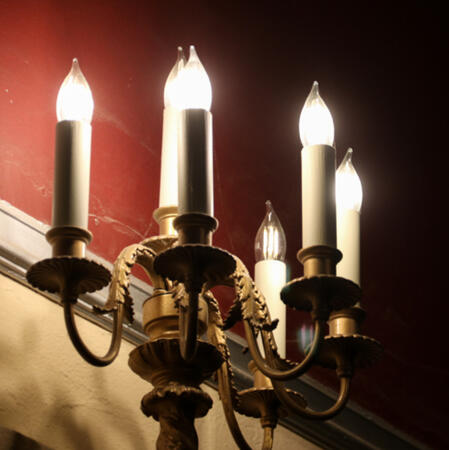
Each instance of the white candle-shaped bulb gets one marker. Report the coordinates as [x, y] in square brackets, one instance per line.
[75, 100]
[316, 126]
[168, 193]
[270, 271]
[195, 158]
[348, 185]
[195, 90]
[270, 240]
[172, 84]
[74, 108]
[349, 203]
[316, 129]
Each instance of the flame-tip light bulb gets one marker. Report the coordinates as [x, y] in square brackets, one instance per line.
[316, 126]
[349, 193]
[270, 271]
[349, 203]
[172, 84]
[270, 240]
[75, 100]
[194, 90]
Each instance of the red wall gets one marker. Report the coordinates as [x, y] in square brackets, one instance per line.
[376, 74]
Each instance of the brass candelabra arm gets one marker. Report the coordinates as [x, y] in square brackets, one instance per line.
[307, 413]
[188, 322]
[268, 367]
[226, 388]
[267, 438]
[79, 344]
[225, 391]
[70, 277]
[194, 265]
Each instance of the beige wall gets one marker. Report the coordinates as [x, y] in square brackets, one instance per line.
[48, 393]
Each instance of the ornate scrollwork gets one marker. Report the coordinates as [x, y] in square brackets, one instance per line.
[142, 254]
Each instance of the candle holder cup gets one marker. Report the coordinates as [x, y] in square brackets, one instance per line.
[319, 290]
[195, 228]
[164, 217]
[68, 241]
[261, 402]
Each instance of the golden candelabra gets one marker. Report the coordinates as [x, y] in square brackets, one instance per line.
[182, 270]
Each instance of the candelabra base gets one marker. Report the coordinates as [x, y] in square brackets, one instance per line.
[176, 399]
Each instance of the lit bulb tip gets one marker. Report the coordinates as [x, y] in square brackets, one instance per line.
[193, 52]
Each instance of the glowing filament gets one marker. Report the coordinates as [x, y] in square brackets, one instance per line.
[270, 240]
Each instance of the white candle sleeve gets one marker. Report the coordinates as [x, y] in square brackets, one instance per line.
[195, 165]
[348, 242]
[270, 277]
[168, 194]
[71, 174]
[318, 195]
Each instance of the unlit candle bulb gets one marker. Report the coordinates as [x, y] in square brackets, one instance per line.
[270, 270]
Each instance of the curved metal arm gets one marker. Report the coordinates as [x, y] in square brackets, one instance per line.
[224, 389]
[267, 438]
[277, 374]
[116, 339]
[188, 327]
[289, 403]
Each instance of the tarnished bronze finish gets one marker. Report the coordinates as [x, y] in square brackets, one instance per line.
[176, 399]
[68, 241]
[195, 228]
[275, 367]
[357, 350]
[260, 380]
[190, 262]
[193, 265]
[295, 408]
[71, 277]
[261, 402]
[78, 343]
[318, 293]
[182, 271]
[319, 260]
[160, 362]
[165, 216]
[80, 275]
[175, 407]
[161, 316]
[346, 322]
